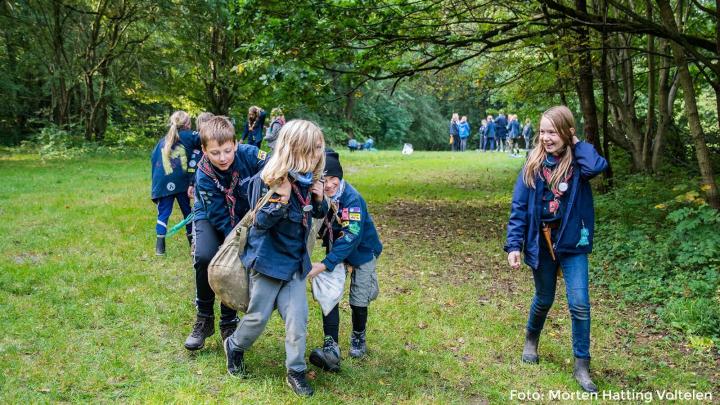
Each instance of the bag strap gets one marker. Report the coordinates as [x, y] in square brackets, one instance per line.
[249, 217]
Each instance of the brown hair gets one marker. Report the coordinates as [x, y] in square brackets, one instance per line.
[218, 129]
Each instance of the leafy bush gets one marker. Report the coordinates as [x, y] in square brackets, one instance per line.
[661, 245]
[53, 142]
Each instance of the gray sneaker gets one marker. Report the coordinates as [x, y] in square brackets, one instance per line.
[357, 344]
[328, 356]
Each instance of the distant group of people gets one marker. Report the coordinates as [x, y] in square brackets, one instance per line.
[502, 134]
[354, 145]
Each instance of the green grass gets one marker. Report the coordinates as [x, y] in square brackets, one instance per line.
[88, 313]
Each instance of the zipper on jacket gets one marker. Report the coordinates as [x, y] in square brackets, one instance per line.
[576, 182]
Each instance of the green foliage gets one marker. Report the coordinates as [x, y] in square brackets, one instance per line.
[661, 245]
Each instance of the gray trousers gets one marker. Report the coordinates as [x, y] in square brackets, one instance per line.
[290, 299]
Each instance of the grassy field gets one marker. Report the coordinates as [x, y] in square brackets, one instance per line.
[90, 314]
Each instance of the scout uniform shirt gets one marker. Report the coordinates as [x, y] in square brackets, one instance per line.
[212, 204]
[354, 239]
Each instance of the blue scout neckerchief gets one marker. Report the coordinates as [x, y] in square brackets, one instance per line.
[206, 167]
[557, 189]
[334, 200]
[306, 179]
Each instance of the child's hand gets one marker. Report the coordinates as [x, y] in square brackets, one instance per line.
[318, 190]
[514, 259]
[317, 268]
[284, 190]
[191, 192]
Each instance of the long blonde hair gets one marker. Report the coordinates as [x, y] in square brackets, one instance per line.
[296, 150]
[253, 116]
[179, 119]
[563, 122]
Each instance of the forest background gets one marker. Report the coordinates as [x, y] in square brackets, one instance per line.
[643, 78]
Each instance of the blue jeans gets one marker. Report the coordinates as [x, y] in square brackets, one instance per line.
[575, 272]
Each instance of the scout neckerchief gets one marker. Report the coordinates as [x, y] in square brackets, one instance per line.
[335, 202]
[304, 202]
[207, 168]
[557, 189]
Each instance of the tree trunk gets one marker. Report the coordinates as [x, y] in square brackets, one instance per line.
[696, 130]
[666, 100]
[585, 82]
[348, 111]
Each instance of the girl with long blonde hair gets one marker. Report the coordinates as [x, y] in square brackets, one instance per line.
[276, 252]
[552, 221]
[172, 174]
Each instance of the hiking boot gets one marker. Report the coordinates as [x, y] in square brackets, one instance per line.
[227, 330]
[297, 382]
[328, 356]
[530, 354]
[160, 246]
[203, 328]
[357, 344]
[581, 372]
[235, 360]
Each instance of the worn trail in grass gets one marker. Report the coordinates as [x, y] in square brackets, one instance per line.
[89, 313]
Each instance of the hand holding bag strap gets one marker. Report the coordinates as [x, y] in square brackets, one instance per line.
[248, 219]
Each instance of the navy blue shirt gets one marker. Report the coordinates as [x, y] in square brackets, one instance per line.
[514, 129]
[210, 202]
[174, 175]
[277, 240]
[490, 129]
[355, 239]
[501, 126]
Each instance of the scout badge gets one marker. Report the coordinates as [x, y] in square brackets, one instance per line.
[180, 224]
[227, 276]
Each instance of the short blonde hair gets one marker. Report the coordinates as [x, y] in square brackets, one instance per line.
[202, 118]
[219, 129]
[301, 148]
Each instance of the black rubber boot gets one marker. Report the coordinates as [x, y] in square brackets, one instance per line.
[328, 356]
[203, 328]
[297, 382]
[235, 360]
[581, 372]
[358, 347]
[160, 246]
[530, 351]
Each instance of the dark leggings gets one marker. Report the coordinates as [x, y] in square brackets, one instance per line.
[207, 241]
[331, 321]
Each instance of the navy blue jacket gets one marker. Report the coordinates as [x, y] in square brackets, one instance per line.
[490, 130]
[514, 129]
[210, 202]
[523, 232]
[356, 240]
[454, 129]
[501, 126]
[277, 241]
[256, 135]
[174, 176]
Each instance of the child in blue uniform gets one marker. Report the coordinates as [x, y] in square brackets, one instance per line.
[253, 131]
[352, 241]
[219, 205]
[552, 220]
[276, 253]
[172, 174]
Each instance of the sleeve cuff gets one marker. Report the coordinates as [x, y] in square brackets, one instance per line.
[329, 266]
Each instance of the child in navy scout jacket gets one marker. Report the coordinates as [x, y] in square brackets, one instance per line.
[276, 253]
[350, 238]
[552, 220]
[172, 174]
[219, 205]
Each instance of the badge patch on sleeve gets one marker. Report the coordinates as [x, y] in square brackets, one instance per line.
[354, 213]
[345, 216]
[354, 228]
[262, 155]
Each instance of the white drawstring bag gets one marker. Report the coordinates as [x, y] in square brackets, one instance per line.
[328, 288]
